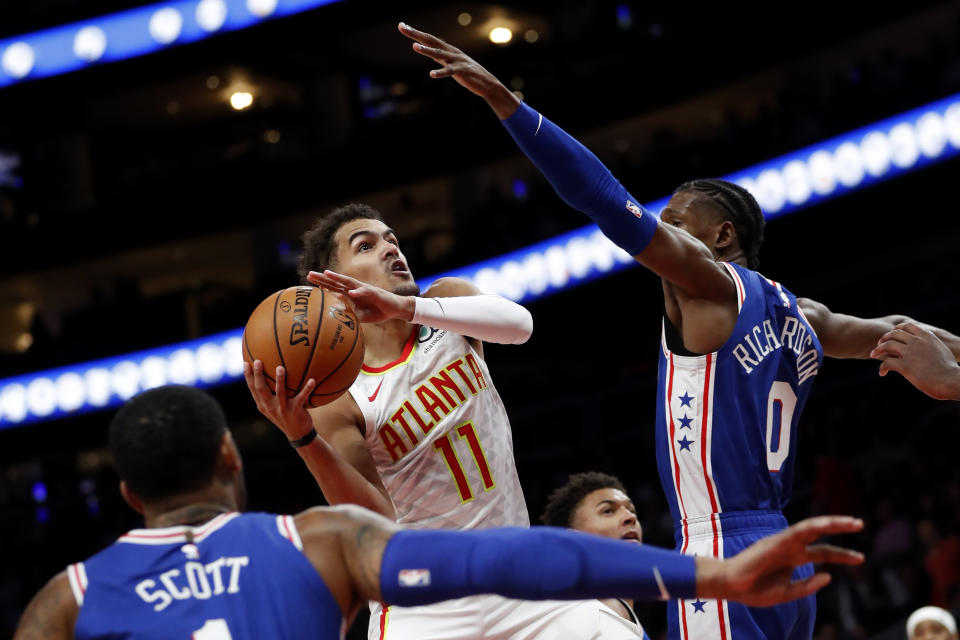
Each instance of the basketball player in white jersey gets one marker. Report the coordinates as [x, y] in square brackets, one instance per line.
[422, 436]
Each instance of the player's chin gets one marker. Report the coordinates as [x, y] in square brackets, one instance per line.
[409, 288]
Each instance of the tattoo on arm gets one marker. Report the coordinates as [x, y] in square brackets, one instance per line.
[364, 544]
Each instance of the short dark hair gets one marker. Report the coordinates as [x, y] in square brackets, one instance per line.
[165, 441]
[318, 248]
[739, 207]
[563, 502]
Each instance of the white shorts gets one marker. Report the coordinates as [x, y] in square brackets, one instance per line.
[496, 618]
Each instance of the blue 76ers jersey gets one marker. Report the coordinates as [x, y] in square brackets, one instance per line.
[727, 421]
[243, 576]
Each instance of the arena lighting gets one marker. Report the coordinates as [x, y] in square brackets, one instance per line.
[105, 383]
[500, 35]
[831, 168]
[131, 33]
[241, 100]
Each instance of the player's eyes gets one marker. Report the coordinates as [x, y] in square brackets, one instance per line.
[363, 246]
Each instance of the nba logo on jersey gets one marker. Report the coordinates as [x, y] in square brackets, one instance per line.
[414, 578]
[634, 209]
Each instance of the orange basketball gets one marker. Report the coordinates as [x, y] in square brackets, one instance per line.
[312, 334]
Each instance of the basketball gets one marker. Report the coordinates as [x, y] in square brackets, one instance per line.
[312, 334]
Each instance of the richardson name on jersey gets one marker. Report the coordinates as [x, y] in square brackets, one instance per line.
[433, 400]
[194, 580]
[762, 340]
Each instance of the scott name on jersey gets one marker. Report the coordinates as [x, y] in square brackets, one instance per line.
[193, 580]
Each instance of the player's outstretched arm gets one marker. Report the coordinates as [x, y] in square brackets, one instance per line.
[845, 336]
[51, 614]
[453, 304]
[583, 181]
[922, 358]
[337, 457]
[419, 567]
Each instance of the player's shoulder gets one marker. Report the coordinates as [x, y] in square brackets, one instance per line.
[335, 520]
[450, 286]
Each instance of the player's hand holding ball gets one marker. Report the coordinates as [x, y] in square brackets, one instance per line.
[306, 341]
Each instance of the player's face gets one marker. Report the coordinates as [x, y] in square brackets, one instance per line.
[608, 513]
[693, 214]
[932, 630]
[368, 251]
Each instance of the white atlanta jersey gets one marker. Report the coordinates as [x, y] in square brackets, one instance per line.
[440, 436]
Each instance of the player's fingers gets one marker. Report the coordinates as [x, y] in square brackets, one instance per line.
[436, 53]
[261, 392]
[831, 554]
[812, 529]
[347, 281]
[302, 399]
[891, 364]
[888, 349]
[280, 384]
[806, 587]
[422, 37]
[911, 328]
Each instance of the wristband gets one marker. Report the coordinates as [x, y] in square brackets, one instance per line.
[305, 440]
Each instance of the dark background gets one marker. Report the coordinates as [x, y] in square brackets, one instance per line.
[149, 212]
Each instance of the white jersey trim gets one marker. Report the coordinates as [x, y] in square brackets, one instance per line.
[77, 576]
[741, 290]
[170, 535]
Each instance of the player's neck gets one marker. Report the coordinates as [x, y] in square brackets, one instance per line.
[189, 510]
[384, 341]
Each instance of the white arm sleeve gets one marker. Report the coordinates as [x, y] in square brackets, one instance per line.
[490, 318]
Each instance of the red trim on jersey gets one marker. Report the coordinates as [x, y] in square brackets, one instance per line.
[704, 436]
[673, 449]
[286, 529]
[739, 282]
[383, 621]
[404, 355]
[76, 575]
[723, 625]
[683, 616]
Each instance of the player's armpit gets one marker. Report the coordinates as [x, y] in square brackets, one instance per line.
[52, 614]
[340, 460]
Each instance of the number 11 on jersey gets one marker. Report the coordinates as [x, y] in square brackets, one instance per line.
[445, 445]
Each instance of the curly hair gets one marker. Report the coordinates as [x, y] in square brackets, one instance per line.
[319, 250]
[739, 207]
[564, 501]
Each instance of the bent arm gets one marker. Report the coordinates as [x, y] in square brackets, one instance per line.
[51, 614]
[845, 336]
[340, 460]
[461, 307]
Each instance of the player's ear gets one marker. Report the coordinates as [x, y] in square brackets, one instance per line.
[726, 236]
[131, 498]
[229, 457]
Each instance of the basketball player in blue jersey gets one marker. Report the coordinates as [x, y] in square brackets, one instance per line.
[739, 352]
[202, 570]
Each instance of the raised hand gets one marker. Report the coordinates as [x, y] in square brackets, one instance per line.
[920, 357]
[370, 303]
[761, 574]
[464, 69]
[289, 414]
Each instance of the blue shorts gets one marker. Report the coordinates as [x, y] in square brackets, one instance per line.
[724, 535]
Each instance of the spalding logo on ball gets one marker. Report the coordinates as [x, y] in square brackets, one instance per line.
[312, 334]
